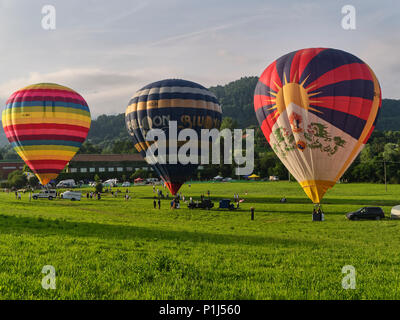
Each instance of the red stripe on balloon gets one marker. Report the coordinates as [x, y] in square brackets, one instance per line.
[48, 132]
[263, 101]
[346, 72]
[270, 77]
[26, 94]
[303, 58]
[355, 106]
[46, 164]
[268, 123]
[38, 126]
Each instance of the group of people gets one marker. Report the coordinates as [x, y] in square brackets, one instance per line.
[92, 195]
[318, 214]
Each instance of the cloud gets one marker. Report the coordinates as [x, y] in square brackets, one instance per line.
[105, 92]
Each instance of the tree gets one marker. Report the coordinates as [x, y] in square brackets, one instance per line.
[17, 179]
[33, 181]
[99, 187]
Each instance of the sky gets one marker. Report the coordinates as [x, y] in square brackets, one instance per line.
[107, 50]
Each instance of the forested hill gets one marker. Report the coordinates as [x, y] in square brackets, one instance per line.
[236, 99]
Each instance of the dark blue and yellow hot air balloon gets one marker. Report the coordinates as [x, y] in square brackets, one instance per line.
[154, 106]
[317, 108]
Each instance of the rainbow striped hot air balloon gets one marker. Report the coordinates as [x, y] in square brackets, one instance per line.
[46, 124]
[155, 105]
[317, 108]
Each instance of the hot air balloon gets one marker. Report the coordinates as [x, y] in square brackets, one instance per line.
[155, 105]
[317, 108]
[46, 124]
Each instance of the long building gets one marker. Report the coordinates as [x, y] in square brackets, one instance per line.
[106, 163]
[88, 165]
[8, 166]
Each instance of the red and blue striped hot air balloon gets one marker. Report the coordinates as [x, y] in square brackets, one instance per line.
[46, 123]
[317, 108]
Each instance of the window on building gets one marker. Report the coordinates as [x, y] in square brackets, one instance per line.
[129, 169]
[102, 169]
[111, 169]
[92, 169]
[83, 169]
[73, 170]
[120, 169]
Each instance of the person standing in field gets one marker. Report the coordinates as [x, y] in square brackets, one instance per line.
[154, 203]
[159, 203]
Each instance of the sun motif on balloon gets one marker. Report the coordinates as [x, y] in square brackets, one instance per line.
[293, 92]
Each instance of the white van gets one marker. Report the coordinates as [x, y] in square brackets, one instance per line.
[69, 183]
[73, 195]
[110, 183]
[49, 194]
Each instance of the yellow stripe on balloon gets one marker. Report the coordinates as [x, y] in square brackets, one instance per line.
[47, 86]
[83, 122]
[315, 189]
[45, 148]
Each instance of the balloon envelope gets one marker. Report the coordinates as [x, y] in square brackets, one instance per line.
[46, 124]
[155, 105]
[317, 108]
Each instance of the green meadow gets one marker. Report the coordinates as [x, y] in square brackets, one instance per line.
[117, 249]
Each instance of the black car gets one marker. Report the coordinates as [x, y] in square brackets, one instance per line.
[205, 204]
[373, 213]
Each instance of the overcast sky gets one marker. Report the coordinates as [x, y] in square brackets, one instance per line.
[107, 50]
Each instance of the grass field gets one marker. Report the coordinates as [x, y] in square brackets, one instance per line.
[117, 249]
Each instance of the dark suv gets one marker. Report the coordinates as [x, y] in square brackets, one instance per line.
[374, 213]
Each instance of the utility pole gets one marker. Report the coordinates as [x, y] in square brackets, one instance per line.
[384, 169]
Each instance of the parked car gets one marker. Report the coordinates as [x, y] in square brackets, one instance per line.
[205, 204]
[373, 213]
[49, 194]
[69, 183]
[73, 195]
[126, 184]
[226, 204]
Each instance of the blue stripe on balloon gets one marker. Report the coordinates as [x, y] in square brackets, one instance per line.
[173, 83]
[173, 95]
[46, 104]
[348, 88]
[263, 90]
[350, 124]
[331, 58]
